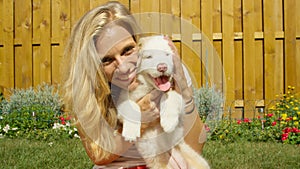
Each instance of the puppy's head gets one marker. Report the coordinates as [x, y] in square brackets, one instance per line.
[156, 62]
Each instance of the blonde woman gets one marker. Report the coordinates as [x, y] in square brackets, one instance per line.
[102, 52]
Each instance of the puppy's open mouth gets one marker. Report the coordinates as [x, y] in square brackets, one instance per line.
[162, 82]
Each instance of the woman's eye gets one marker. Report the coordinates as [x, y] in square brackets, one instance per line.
[107, 60]
[128, 50]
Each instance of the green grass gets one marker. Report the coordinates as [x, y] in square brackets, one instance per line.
[69, 153]
[22, 153]
[252, 155]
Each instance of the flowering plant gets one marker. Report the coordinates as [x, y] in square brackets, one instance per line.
[35, 113]
[63, 127]
[280, 123]
[286, 114]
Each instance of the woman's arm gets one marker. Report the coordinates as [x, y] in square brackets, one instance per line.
[196, 134]
[95, 151]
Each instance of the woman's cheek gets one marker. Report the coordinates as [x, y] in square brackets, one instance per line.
[108, 72]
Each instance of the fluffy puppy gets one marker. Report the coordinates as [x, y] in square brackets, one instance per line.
[154, 72]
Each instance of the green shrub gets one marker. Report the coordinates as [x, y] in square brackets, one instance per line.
[279, 124]
[209, 103]
[34, 113]
[285, 114]
[45, 96]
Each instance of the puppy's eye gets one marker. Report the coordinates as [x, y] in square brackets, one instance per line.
[148, 56]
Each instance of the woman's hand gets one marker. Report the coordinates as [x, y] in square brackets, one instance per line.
[148, 105]
[181, 85]
[150, 111]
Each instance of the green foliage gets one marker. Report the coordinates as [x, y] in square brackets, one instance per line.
[45, 96]
[286, 115]
[35, 114]
[209, 102]
[279, 124]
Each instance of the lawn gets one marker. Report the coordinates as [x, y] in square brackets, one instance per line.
[69, 153]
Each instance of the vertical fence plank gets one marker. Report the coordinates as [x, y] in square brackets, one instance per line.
[269, 48]
[95, 3]
[150, 23]
[207, 30]
[176, 12]
[7, 50]
[290, 42]
[298, 45]
[41, 34]
[1, 24]
[135, 8]
[61, 26]
[238, 51]
[217, 44]
[258, 54]
[165, 18]
[23, 36]
[228, 51]
[249, 47]
[78, 8]
[191, 51]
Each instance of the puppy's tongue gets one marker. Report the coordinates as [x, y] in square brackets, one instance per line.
[162, 83]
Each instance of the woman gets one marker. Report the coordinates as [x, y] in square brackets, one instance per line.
[101, 52]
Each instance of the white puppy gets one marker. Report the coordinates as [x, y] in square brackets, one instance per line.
[155, 69]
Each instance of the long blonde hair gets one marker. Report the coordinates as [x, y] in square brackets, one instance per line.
[87, 92]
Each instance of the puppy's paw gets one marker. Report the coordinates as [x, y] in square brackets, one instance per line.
[169, 123]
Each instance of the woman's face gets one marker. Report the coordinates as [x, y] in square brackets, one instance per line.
[118, 52]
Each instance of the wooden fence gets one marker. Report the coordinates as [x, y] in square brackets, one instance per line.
[256, 42]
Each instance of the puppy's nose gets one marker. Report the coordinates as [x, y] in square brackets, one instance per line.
[162, 67]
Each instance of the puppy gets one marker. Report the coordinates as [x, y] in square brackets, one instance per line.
[154, 72]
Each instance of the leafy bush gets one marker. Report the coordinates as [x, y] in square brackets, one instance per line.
[34, 113]
[280, 123]
[45, 97]
[209, 103]
[286, 115]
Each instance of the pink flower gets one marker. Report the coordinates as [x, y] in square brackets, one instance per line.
[283, 138]
[239, 121]
[246, 120]
[287, 130]
[285, 135]
[270, 114]
[274, 123]
[295, 130]
[258, 117]
[207, 128]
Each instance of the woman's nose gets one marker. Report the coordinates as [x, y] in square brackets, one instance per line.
[119, 60]
[123, 66]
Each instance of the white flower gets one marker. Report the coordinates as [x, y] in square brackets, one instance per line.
[50, 144]
[6, 128]
[15, 128]
[76, 136]
[1, 118]
[68, 124]
[57, 126]
[75, 129]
